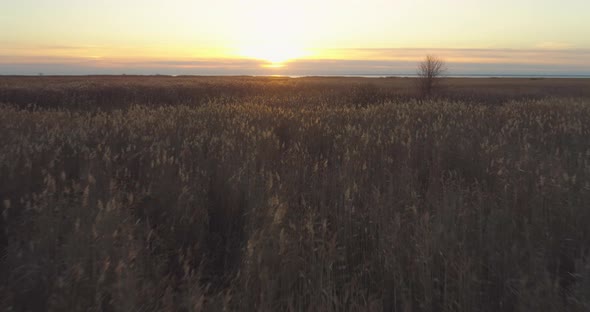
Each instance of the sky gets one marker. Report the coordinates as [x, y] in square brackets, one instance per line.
[306, 37]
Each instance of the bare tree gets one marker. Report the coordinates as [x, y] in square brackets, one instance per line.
[429, 72]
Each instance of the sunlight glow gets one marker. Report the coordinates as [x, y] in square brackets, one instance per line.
[276, 54]
[272, 31]
[279, 36]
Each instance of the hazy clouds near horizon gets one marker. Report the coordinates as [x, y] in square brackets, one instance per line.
[384, 62]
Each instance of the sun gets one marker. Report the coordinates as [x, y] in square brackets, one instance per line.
[276, 54]
[272, 31]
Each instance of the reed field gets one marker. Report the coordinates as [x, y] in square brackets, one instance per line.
[281, 194]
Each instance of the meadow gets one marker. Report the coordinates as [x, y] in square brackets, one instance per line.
[279, 194]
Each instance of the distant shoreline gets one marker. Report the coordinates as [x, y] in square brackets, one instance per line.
[477, 76]
[447, 76]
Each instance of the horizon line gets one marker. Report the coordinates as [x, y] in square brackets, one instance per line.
[343, 75]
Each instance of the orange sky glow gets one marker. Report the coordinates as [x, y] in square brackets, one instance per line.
[285, 37]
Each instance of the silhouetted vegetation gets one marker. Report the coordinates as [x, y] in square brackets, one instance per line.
[430, 72]
[258, 194]
[106, 93]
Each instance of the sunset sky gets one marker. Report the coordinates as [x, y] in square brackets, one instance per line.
[330, 37]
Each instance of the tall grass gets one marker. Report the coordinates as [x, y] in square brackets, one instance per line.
[262, 206]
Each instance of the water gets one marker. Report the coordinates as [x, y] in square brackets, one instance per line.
[446, 76]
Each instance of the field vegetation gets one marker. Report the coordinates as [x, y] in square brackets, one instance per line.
[277, 194]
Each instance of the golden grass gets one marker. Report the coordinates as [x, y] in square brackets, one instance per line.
[259, 203]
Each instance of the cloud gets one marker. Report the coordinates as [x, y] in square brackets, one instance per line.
[515, 56]
[552, 45]
[330, 62]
